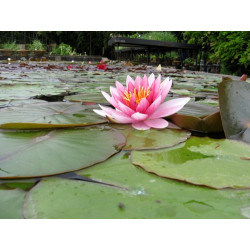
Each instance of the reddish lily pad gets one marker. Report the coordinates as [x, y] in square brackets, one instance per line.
[198, 117]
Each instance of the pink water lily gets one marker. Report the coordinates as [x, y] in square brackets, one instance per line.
[141, 102]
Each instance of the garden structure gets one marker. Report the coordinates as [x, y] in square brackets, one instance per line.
[133, 46]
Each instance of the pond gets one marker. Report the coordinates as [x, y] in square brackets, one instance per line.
[59, 159]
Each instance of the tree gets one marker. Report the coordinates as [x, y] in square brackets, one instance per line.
[231, 48]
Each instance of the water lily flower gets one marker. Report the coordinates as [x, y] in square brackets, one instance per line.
[69, 67]
[90, 62]
[243, 77]
[101, 61]
[141, 102]
[102, 66]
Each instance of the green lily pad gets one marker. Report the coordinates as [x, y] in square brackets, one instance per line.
[11, 204]
[151, 139]
[141, 195]
[210, 102]
[32, 154]
[182, 92]
[198, 117]
[234, 105]
[87, 98]
[201, 161]
[48, 115]
[24, 91]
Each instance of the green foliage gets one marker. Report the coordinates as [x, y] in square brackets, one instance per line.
[36, 45]
[173, 55]
[10, 46]
[189, 61]
[231, 48]
[156, 35]
[63, 50]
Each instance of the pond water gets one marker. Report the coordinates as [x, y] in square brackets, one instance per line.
[58, 159]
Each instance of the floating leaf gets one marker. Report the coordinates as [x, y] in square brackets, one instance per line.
[141, 195]
[201, 161]
[151, 139]
[48, 115]
[11, 204]
[234, 105]
[27, 154]
[198, 117]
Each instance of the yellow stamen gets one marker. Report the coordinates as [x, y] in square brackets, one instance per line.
[127, 97]
[139, 95]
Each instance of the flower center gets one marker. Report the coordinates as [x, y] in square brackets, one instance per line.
[139, 94]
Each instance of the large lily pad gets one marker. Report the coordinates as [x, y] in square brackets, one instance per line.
[234, 99]
[198, 117]
[141, 195]
[11, 204]
[24, 91]
[151, 139]
[26, 154]
[48, 115]
[201, 161]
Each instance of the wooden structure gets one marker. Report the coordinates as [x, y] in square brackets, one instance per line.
[134, 45]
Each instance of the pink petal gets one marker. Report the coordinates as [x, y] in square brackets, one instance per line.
[151, 109]
[150, 97]
[142, 106]
[120, 88]
[144, 82]
[173, 126]
[100, 112]
[151, 79]
[165, 86]
[125, 109]
[129, 79]
[137, 82]
[157, 89]
[169, 107]
[117, 115]
[140, 126]
[132, 103]
[115, 95]
[139, 116]
[130, 87]
[156, 123]
[110, 99]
